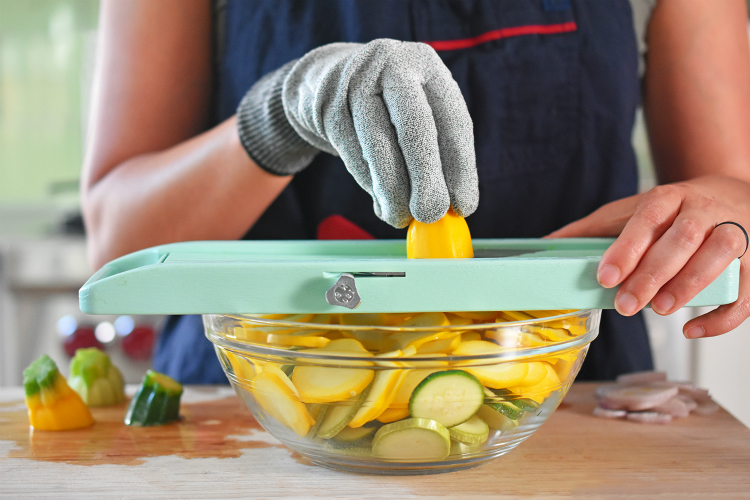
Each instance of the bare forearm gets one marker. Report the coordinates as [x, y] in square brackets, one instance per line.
[204, 188]
[696, 92]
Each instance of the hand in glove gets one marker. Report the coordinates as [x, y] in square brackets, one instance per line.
[391, 110]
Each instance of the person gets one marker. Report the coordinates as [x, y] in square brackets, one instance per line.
[517, 114]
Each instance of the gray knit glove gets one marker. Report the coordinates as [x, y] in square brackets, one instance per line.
[390, 109]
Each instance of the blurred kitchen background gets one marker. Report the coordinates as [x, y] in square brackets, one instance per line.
[47, 52]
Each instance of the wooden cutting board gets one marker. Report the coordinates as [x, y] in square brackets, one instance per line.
[219, 451]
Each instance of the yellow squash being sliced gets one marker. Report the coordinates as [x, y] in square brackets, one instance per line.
[445, 239]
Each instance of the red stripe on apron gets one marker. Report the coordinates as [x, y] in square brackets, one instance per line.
[533, 29]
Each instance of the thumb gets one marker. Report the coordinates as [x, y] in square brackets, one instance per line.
[608, 220]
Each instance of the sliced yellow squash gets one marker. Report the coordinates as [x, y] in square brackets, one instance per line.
[496, 376]
[297, 340]
[441, 346]
[276, 394]
[536, 373]
[324, 384]
[542, 390]
[393, 414]
[384, 386]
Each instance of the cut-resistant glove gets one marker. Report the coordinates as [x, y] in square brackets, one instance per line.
[391, 110]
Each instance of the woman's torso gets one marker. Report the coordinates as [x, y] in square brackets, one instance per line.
[551, 85]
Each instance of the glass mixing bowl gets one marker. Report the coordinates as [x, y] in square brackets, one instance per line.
[403, 393]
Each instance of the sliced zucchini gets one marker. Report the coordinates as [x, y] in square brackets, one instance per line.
[473, 431]
[496, 420]
[449, 397]
[338, 416]
[507, 408]
[526, 404]
[352, 438]
[317, 411]
[413, 439]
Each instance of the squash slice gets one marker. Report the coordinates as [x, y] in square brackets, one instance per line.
[276, 394]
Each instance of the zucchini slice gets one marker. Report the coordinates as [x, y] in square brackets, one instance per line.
[473, 431]
[413, 439]
[449, 397]
[338, 416]
[496, 420]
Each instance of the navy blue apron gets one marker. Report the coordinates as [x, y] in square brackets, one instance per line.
[551, 86]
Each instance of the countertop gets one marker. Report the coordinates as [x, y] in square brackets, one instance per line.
[219, 451]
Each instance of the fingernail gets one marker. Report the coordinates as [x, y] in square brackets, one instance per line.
[662, 303]
[608, 276]
[626, 304]
[695, 332]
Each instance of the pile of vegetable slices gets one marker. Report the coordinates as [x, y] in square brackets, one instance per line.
[397, 400]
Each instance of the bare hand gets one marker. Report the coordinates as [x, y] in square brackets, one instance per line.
[668, 248]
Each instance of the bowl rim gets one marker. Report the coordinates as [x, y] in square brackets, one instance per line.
[322, 326]
[512, 354]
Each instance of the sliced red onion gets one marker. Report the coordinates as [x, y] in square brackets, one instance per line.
[636, 378]
[674, 407]
[649, 417]
[636, 398]
[607, 413]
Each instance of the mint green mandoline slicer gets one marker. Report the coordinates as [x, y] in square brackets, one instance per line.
[288, 277]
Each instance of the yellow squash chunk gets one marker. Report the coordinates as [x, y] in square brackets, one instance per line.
[540, 391]
[496, 376]
[279, 398]
[384, 386]
[324, 384]
[445, 239]
[52, 404]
